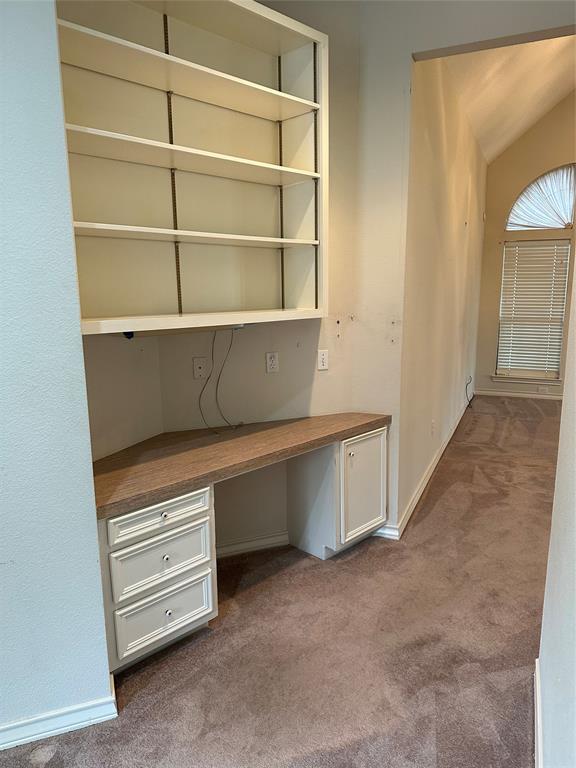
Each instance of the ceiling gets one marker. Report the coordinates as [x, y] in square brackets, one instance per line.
[506, 90]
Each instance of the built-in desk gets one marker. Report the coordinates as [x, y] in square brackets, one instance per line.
[155, 505]
[175, 463]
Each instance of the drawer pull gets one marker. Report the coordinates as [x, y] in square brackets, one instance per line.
[168, 613]
[351, 453]
[166, 558]
[164, 515]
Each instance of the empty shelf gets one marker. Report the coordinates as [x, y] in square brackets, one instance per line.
[119, 146]
[92, 229]
[96, 325]
[89, 49]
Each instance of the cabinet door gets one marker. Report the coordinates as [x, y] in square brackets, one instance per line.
[363, 478]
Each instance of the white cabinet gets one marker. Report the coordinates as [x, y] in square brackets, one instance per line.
[337, 495]
[159, 575]
[363, 485]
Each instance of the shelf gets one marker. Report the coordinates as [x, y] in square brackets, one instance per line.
[89, 49]
[92, 229]
[132, 149]
[92, 326]
[238, 20]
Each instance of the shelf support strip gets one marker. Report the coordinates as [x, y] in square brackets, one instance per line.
[169, 95]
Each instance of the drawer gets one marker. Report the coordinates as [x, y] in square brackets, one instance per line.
[142, 624]
[150, 520]
[154, 561]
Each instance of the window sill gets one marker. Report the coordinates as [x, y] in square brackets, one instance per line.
[527, 380]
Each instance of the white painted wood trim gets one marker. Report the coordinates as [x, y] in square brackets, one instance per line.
[395, 531]
[531, 395]
[239, 546]
[538, 754]
[57, 721]
[201, 320]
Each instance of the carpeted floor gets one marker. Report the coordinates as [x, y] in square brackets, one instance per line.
[410, 654]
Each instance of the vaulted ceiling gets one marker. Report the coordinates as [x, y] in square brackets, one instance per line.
[506, 90]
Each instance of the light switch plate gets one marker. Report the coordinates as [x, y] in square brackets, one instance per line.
[272, 362]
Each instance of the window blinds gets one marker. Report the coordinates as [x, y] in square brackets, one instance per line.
[532, 304]
[547, 203]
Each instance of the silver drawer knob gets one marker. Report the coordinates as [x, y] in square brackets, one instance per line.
[168, 613]
[351, 453]
[166, 558]
[164, 515]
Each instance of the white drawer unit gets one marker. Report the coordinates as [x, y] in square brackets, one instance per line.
[184, 605]
[363, 485]
[154, 561]
[158, 575]
[337, 495]
[145, 522]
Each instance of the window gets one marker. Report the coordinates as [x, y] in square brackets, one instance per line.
[546, 203]
[532, 308]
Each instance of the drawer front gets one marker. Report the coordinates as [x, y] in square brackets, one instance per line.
[164, 613]
[154, 561]
[143, 522]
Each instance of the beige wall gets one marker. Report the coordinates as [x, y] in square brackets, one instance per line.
[371, 47]
[442, 278]
[547, 145]
[558, 640]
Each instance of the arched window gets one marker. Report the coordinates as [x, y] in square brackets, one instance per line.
[535, 279]
[546, 203]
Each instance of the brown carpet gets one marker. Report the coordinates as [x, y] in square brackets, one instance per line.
[410, 654]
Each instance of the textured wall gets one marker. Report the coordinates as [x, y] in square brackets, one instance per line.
[442, 279]
[558, 641]
[52, 627]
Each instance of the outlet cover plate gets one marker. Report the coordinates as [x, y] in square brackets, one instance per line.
[322, 359]
[200, 367]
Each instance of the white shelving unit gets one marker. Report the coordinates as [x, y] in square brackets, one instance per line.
[197, 135]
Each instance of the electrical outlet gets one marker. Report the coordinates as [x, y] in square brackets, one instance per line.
[200, 367]
[272, 362]
[322, 359]
[432, 427]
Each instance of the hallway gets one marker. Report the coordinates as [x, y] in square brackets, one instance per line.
[301, 670]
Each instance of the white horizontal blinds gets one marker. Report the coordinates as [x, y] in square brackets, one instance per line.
[546, 203]
[532, 304]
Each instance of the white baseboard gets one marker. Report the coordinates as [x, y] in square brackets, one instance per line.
[538, 755]
[395, 531]
[531, 395]
[57, 721]
[238, 547]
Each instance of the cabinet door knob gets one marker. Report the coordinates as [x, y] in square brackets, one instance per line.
[351, 453]
[164, 515]
[168, 613]
[165, 558]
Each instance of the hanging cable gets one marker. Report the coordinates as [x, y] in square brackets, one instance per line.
[220, 376]
[468, 382]
[206, 384]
